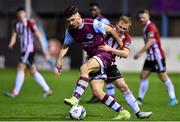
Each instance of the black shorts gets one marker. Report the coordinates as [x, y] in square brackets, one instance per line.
[158, 66]
[113, 73]
[27, 58]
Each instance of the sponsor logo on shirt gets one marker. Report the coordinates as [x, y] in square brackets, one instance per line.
[89, 36]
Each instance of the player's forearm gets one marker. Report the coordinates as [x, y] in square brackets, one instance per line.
[39, 37]
[13, 40]
[116, 36]
[120, 53]
[146, 47]
[63, 52]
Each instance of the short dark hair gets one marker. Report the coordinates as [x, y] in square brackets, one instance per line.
[71, 10]
[144, 11]
[20, 9]
[94, 4]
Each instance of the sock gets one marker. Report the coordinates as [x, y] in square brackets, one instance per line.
[131, 101]
[143, 88]
[170, 88]
[110, 102]
[80, 87]
[110, 90]
[19, 82]
[40, 80]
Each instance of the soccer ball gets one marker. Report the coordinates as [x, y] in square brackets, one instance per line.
[77, 112]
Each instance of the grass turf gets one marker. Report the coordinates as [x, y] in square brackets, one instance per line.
[30, 105]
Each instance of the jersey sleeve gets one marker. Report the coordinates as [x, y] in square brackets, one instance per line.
[99, 27]
[14, 27]
[150, 32]
[68, 39]
[127, 42]
[32, 24]
[105, 21]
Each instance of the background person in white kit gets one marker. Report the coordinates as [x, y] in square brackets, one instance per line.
[25, 30]
[155, 61]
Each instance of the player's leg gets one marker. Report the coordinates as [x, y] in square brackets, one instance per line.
[170, 87]
[130, 99]
[19, 81]
[161, 70]
[93, 99]
[110, 89]
[37, 76]
[112, 74]
[109, 101]
[91, 65]
[143, 88]
[20, 75]
[40, 80]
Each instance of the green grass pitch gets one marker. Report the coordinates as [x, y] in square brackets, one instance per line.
[30, 105]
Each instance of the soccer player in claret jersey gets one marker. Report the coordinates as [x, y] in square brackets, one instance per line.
[113, 74]
[155, 61]
[24, 30]
[95, 12]
[89, 33]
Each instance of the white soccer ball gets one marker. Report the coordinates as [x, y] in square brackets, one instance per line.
[77, 112]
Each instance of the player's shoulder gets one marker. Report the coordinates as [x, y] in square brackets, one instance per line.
[104, 20]
[151, 26]
[14, 23]
[88, 20]
[31, 21]
[128, 37]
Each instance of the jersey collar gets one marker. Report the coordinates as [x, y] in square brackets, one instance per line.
[145, 27]
[81, 25]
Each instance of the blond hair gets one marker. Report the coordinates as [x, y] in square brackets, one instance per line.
[126, 20]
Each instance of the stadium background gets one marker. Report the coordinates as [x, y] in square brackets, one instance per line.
[166, 15]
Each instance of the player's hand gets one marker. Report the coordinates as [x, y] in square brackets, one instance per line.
[59, 64]
[137, 56]
[10, 46]
[105, 48]
[56, 73]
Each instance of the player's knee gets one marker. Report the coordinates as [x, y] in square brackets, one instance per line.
[33, 70]
[84, 68]
[142, 76]
[124, 88]
[95, 92]
[163, 76]
[21, 67]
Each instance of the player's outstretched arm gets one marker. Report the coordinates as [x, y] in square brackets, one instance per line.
[118, 52]
[100, 27]
[144, 49]
[13, 40]
[111, 30]
[62, 53]
[38, 34]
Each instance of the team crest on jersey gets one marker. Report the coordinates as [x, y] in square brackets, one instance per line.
[89, 36]
[127, 43]
[122, 36]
